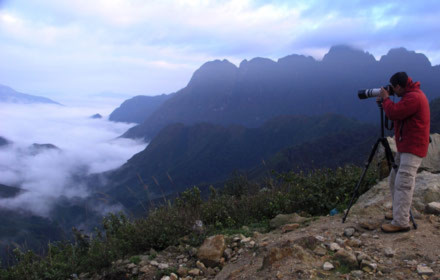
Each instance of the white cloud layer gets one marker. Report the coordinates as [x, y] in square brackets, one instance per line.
[85, 146]
[150, 47]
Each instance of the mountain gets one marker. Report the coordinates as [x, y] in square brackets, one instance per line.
[181, 156]
[4, 141]
[138, 108]
[8, 95]
[435, 115]
[221, 93]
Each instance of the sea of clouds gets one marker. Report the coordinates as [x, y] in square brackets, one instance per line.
[85, 146]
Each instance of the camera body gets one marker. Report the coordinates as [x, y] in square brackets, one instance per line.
[373, 92]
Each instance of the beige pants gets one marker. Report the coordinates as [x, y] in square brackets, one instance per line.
[402, 182]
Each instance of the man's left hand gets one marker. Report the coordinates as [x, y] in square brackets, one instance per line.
[382, 95]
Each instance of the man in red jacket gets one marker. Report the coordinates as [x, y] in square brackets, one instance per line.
[411, 128]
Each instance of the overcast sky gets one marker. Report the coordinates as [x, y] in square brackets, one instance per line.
[66, 49]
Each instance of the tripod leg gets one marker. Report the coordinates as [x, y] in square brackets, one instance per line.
[392, 164]
[364, 171]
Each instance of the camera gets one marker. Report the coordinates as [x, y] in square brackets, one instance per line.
[373, 92]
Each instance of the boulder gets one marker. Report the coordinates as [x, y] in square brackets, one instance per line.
[433, 208]
[283, 219]
[347, 258]
[211, 251]
[430, 163]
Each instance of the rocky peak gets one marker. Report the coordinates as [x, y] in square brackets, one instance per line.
[343, 54]
[213, 72]
[401, 57]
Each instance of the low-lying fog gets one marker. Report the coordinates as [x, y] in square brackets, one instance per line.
[85, 146]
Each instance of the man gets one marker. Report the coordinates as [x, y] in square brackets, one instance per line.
[411, 128]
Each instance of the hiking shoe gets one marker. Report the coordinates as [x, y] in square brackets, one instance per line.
[390, 228]
[389, 215]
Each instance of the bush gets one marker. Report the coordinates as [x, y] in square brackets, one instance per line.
[240, 203]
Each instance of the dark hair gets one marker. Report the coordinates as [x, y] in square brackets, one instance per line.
[400, 78]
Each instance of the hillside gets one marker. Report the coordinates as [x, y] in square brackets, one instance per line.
[202, 154]
[8, 95]
[138, 108]
[221, 93]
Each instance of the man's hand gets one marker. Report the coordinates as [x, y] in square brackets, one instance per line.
[382, 95]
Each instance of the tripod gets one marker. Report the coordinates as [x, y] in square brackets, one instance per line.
[390, 160]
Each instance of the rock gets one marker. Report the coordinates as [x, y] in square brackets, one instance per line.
[227, 253]
[320, 238]
[182, 271]
[368, 266]
[131, 265]
[369, 225]
[307, 242]
[165, 278]
[154, 263]
[349, 231]
[289, 227]
[354, 242]
[144, 269]
[327, 266]
[276, 254]
[173, 276]
[389, 252]
[279, 275]
[194, 272]
[433, 208]
[424, 270]
[320, 251]
[282, 219]
[163, 266]
[357, 273]
[346, 258]
[245, 240]
[211, 251]
[200, 265]
[334, 247]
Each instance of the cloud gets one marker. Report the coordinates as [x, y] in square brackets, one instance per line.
[85, 146]
[152, 47]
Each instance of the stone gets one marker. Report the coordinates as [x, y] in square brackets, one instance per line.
[182, 271]
[349, 231]
[154, 263]
[163, 266]
[320, 251]
[327, 266]
[370, 265]
[369, 225]
[357, 273]
[165, 278]
[131, 265]
[346, 258]
[389, 252]
[354, 242]
[173, 276]
[200, 265]
[334, 247]
[144, 269]
[289, 227]
[320, 238]
[211, 251]
[227, 253]
[245, 240]
[282, 219]
[194, 272]
[433, 208]
[276, 254]
[424, 270]
[307, 242]
[279, 275]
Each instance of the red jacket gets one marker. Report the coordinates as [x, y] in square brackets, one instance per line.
[411, 120]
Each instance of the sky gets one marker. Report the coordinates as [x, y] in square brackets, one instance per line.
[85, 146]
[84, 49]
